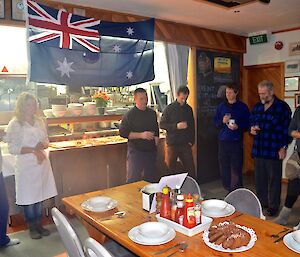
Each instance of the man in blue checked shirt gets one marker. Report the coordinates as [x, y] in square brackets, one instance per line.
[269, 121]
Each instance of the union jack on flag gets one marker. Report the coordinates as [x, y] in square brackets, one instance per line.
[59, 28]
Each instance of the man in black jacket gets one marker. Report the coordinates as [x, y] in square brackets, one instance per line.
[178, 121]
[140, 126]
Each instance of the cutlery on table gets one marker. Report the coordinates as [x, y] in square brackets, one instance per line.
[280, 232]
[118, 214]
[281, 238]
[181, 248]
[169, 248]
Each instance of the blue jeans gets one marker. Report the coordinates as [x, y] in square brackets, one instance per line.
[4, 239]
[33, 212]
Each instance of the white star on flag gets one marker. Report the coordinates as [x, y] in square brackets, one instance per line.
[117, 49]
[130, 31]
[129, 74]
[65, 68]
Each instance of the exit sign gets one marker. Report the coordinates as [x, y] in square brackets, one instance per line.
[258, 39]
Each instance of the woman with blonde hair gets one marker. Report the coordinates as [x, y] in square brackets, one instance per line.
[27, 139]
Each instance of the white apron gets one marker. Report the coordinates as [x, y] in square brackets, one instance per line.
[34, 182]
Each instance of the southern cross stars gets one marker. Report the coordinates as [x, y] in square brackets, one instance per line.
[65, 68]
[129, 74]
[130, 31]
[117, 49]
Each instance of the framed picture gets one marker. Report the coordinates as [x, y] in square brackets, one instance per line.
[2, 9]
[294, 48]
[17, 10]
[292, 66]
[291, 84]
[297, 100]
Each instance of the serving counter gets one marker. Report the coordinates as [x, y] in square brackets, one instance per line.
[82, 166]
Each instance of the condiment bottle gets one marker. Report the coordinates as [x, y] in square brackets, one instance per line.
[165, 208]
[179, 210]
[189, 213]
[173, 204]
[197, 208]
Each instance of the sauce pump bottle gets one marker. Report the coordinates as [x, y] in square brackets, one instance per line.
[165, 208]
[189, 220]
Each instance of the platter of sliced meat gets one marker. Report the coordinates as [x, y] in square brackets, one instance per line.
[229, 237]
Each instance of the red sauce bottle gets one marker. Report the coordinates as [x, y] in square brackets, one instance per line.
[189, 220]
[165, 208]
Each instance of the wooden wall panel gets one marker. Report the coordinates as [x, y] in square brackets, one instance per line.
[164, 30]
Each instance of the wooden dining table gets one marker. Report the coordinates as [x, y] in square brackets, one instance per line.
[102, 225]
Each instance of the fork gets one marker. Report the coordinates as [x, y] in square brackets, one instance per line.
[182, 248]
[169, 248]
[280, 232]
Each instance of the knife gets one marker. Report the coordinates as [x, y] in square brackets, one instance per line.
[281, 238]
[169, 248]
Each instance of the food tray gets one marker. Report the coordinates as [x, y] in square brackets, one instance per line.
[206, 221]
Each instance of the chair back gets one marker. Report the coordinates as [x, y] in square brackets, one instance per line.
[190, 185]
[67, 234]
[95, 249]
[244, 200]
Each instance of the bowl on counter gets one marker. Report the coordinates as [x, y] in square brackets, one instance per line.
[59, 113]
[75, 108]
[90, 108]
[48, 113]
[59, 107]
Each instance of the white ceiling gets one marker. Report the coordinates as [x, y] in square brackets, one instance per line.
[279, 14]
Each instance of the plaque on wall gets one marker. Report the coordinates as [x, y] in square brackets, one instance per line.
[2, 9]
[17, 10]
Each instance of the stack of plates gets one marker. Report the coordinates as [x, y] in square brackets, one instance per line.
[99, 204]
[291, 243]
[152, 233]
[217, 208]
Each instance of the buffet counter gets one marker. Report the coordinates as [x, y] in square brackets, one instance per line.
[85, 165]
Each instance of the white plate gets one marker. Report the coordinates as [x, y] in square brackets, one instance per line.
[136, 237]
[290, 243]
[224, 213]
[237, 250]
[99, 204]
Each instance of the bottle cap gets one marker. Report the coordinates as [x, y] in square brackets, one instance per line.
[180, 197]
[189, 198]
[165, 190]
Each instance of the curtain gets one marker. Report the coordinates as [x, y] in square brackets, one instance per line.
[177, 61]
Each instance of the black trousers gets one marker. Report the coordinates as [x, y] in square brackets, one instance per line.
[268, 174]
[184, 153]
[141, 165]
[230, 157]
[293, 192]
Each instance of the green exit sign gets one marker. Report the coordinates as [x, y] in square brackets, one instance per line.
[258, 39]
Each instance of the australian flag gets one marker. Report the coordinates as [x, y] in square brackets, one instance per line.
[73, 50]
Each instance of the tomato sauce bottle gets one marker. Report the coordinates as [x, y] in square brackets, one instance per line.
[189, 220]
